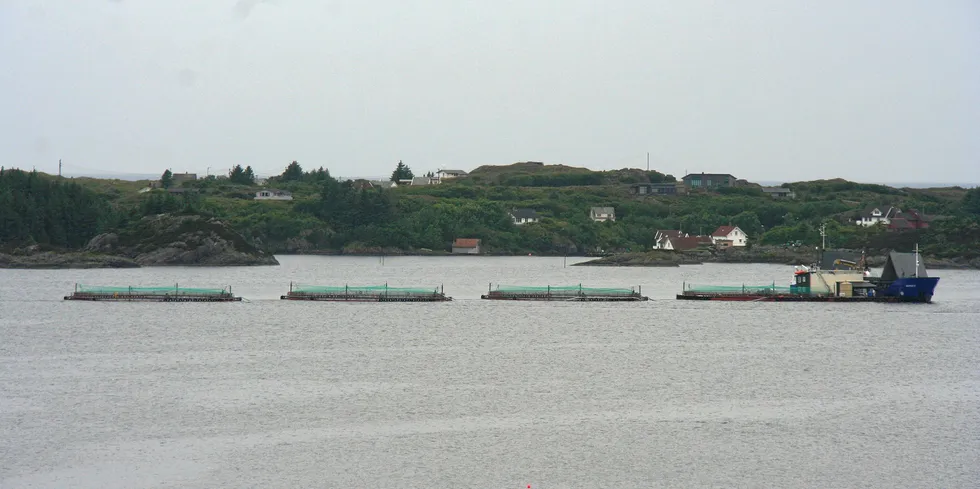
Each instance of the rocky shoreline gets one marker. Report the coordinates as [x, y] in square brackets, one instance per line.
[770, 255]
[162, 240]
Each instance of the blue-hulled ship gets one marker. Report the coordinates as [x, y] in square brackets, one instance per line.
[905, 278]
[837, 279]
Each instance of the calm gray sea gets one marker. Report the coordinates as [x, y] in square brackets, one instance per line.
[480, 394]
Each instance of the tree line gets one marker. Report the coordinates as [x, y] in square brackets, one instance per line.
[39, 209]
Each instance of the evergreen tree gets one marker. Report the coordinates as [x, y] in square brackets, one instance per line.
[292, 173]
[402, 172]
[241, 176]
[167, 179]
[39, 209]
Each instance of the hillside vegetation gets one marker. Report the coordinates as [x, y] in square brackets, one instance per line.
[327, 215]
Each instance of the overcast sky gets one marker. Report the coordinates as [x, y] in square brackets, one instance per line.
[780, 90]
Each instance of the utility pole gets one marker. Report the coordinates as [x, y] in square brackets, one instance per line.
[648, 161]
[59, 167]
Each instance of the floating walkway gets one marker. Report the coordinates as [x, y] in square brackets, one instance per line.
[377, 293]
[151, 294]
[573, 293]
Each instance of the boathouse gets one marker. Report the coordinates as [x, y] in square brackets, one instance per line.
[466, 246]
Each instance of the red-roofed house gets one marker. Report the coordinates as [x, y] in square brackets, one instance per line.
[466, 246]
[729, 236]
[684, 243]
[659, 239]
[912, 219]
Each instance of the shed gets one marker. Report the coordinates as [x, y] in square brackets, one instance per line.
[466, 246]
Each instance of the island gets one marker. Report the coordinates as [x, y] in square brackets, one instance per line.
[526, 208]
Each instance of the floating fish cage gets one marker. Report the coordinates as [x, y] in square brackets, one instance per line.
[376, 293]
[151, 294]
[573, 293]
[856, 292]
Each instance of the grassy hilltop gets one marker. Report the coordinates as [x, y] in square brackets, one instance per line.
[327, 215]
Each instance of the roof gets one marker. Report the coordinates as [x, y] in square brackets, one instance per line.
[912, 215]
[901, 265]
[525, 214]
[451, 171]
[723, 231]
[604, 210]
[776, 190]
[421, 181]
[670, 233]
[689, 243]
[657, 184]
[466, 243]
[691, 175]
[886, 211]
[900, 223]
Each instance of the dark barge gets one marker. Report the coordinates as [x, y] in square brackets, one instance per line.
[151, 294]
[379, 293]
[575, 293]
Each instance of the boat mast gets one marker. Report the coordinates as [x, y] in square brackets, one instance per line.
[916, 261]
[823, 241]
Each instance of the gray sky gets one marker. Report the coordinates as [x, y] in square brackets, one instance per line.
[766, 90]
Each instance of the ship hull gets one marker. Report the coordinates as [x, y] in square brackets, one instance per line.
[794, 298]
[912, 289]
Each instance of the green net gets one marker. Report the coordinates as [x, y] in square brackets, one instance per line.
[740, 289]
[363, 290]
[563, 290]
[172, 290]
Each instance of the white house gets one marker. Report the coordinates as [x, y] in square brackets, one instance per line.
[684, 243]
[602, 214]
[874, 215]
[450, 174]
[661, 239]
[273, 194]
[729, 236]
[382, 183]
[425, 181]
[524, 216]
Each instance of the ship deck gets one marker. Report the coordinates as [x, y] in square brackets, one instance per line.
[709, 296]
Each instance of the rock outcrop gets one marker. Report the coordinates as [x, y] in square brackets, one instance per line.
[51, 259]
[153, 241]
[756, 254]
[180, 240]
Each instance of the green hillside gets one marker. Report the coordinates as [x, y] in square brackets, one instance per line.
[329, 215]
